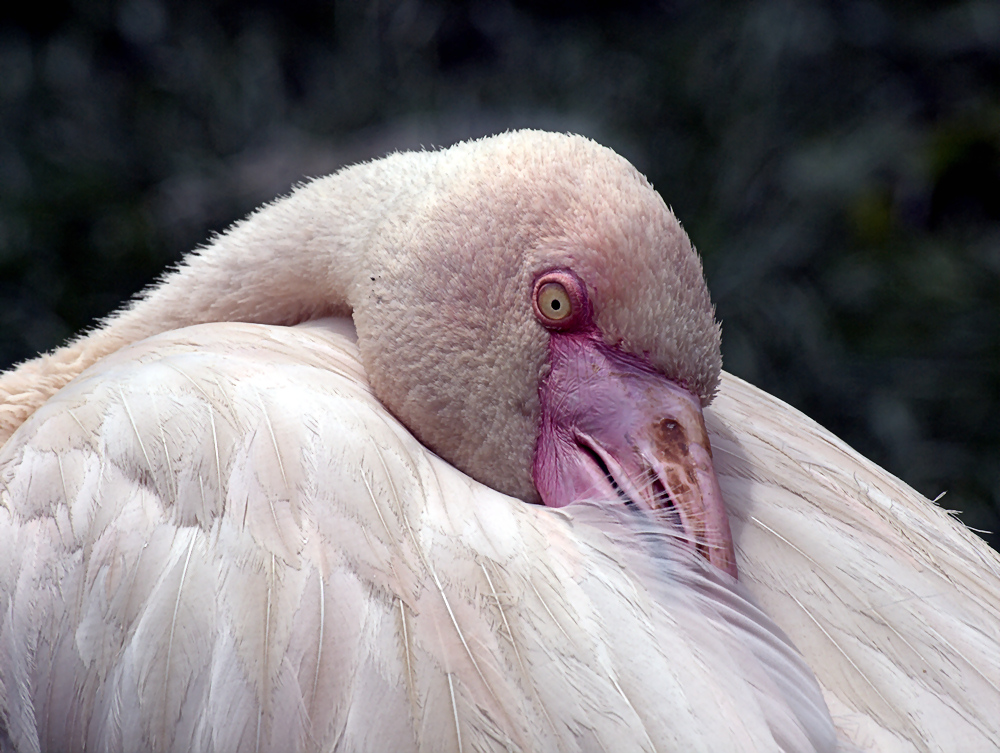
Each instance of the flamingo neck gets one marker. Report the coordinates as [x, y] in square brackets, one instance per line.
[291, 261]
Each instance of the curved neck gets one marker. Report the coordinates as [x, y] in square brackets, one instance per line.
[290, 261]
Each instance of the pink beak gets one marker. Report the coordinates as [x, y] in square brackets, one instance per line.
[613, 429]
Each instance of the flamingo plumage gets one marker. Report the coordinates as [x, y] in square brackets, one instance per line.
[234, 519]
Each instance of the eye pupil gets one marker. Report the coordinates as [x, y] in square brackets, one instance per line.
[553, 301]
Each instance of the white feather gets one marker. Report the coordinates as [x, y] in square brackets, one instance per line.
[895, 605]
[289, 569]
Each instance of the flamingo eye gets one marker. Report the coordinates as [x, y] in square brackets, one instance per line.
[553, 301]
[560, 300]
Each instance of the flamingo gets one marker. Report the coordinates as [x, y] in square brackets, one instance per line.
[288, 499]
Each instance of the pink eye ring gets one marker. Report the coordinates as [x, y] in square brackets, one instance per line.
[559, 300]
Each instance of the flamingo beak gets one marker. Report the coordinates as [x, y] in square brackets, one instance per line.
[614, 429]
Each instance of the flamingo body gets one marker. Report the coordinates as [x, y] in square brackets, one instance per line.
[248, 535]
[218, 539]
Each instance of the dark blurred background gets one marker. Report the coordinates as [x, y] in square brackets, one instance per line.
[836, 163]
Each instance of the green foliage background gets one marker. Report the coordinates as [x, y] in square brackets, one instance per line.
[836, 163]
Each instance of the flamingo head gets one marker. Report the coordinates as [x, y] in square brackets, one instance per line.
[539, 318]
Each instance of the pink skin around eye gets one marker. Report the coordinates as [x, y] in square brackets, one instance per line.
[615, 429]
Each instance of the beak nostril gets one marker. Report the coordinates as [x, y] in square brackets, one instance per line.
[670, 438]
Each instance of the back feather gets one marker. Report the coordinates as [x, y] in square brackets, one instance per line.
[893, 603]
[218, 540]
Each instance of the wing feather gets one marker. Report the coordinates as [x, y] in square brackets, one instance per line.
[894, 604]
[217, 539]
